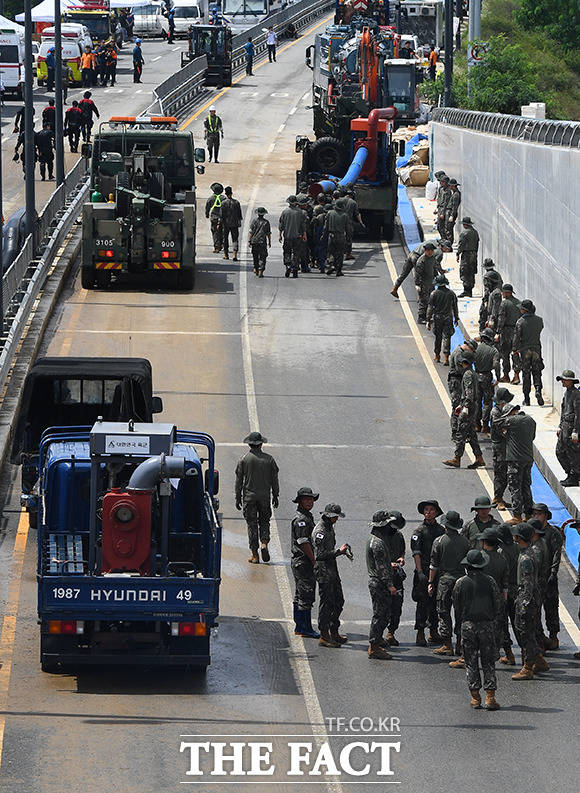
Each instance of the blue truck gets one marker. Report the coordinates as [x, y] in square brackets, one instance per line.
[129, 545]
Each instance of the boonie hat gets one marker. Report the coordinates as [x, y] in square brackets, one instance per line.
[567, 374]
[305, 492]
[429, 502]
[541, 507]
[429, 246]
[332, 511]
[262, 211]
[475, 558]
[482, 502]
[255, 439]
[507, 288]
[453, 520]
[523, 530]
[467, 221]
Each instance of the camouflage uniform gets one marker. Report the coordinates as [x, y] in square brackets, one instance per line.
[465, 429]
[511, 552]
[568, 452]
[486, 359]
[302, 568]
[491, 280]
[213, 211]
[508, 315]
[554, 541]
[542, 556]
[292, 224]
[352, 211]
[498, 444]
[527, 605]
[477, 601]
[335, 224]
[396, 545]
[256, 483]
[412, 259]
[451, 212]
[474, 527]
[442, 310]
[380, 579]
[467, 248]
[521, 431]
[424, 274]
[498, 568]
[446, 555]
[331, 599]
[527, 342]
[421, 545]
[443, 196]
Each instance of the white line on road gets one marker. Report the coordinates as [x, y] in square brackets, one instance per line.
[158, 58]
[565, 616]
[294, 109]
[139, 91]
[158, 332]
[271, 147]
[175, 49]
[281, 128]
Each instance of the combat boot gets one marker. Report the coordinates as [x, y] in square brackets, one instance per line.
[525, 673]
[458, 664]
[436, 358]
[539, 397]
[254, 558]
[297, 614]
[504, 379]
[490, 701]
[526, 400]
[517, 518]
[378, 652]
[553, 642]
[499, 503]
[478, 426]
[540, 664]
[516, 379]
[434, 637]
[475, 698]
[326, 640]
[226, 256]
[479, 462]
[421, 641]
[395, 292]
[306, 625]
[339, 638]
[454, 462]
[265, 552]
[445, 359]
[508, 659]
[570, 481]
[235, 256]
[391, 639]
[445, 649]
[485, 427]
[260, 273]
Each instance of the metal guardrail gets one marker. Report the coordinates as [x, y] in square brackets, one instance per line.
[181, 88]
[548, 133]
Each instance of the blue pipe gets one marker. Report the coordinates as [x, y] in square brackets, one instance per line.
[327, 185]
[355, 168]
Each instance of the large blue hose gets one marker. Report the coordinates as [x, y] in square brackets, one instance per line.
[355, 168]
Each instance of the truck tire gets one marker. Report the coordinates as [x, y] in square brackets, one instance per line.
[186, 279]
[389, 225]
[87, 278]
[33, 519]
[51, 667]
[328, 155]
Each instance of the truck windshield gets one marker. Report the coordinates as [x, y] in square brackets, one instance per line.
[176, 152]
[209, 42]
[145, 11]
[8, 53]
[186, 12]
[99, 26]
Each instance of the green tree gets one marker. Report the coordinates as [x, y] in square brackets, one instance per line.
[560, 19]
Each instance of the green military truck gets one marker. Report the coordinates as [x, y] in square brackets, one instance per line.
[141, 219]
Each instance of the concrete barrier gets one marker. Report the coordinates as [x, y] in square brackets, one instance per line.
[522, 197]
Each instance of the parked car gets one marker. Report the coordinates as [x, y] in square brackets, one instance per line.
[186, 13]
[151, 20]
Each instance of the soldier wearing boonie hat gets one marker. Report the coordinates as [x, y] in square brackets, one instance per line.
[331, 598]
[302, 562]
[567, 446]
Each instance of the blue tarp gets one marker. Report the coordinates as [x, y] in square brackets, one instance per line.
[402, 161]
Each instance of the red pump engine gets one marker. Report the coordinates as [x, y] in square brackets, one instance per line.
[126, 531]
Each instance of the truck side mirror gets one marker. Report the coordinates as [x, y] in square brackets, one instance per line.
[402, 144]
[216, 481]
[156, 405]
[87, 150]
[199, 155]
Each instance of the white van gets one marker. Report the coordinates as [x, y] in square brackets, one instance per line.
[150, 21]
[70, 32]
[186, 13]
[71, 53]
[12, 62]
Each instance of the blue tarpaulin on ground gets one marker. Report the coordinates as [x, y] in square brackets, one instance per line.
[402, 161]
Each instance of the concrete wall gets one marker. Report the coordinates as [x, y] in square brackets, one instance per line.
[524, 199]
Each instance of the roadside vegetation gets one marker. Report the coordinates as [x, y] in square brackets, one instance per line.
[533, 56]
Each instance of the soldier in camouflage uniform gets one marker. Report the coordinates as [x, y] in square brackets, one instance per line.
[477, 601]
[527, 602]
[491, 280]
[302, 562]
[482, 520]
[542, 554]
[528, 348]
[335, 224]
[467, 248]
[443, 246]
[213, 211]
[352, 214]
[381, 585]
[486, 360]
[424, 274]
[396, 544]
[498, 415]
[442, 310]
[510, 552]
[452, 209]
[520, 431]
[444, 570]
[567, 446]
[256, 484]
[331, 599]
[465, 411]
[554, 540]
[508, 315]
[443, 196]
[421, 545]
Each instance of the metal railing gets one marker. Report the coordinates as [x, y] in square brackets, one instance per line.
[534, 130]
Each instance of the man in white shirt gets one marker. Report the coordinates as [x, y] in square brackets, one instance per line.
[271, 41]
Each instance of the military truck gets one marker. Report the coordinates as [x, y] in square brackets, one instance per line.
[129, 546]
[65, 392]
[141, 219]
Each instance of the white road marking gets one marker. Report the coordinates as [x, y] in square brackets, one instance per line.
[271, 147]
[175, 49]
[565, 616]
[299, 656]
[159, 332]
[281, 127]
[294, 109]
[158, 58]
[120, 90]
[279, 95]
[139, 91]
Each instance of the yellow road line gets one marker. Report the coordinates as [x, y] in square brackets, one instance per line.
[565, 616]
[8, 634]
[215, 98]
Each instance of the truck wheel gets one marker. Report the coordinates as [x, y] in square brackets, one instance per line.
[373, 222]
[33, 519]
[388, 226]
[87, 278]
[186, 279]
[328, 155]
